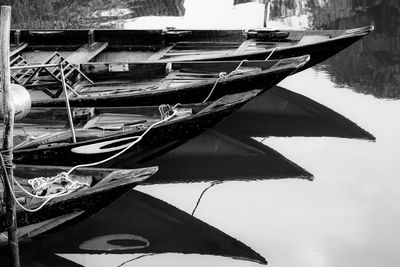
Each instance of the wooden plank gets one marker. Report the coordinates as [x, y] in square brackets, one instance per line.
[243, 47]
[210, 43]
[312, 39]
[33, 230]
[196, 52]
[198, 56]
[17, 49]
[160, 53]
[165, 84]
[45, 226]
[86, 53]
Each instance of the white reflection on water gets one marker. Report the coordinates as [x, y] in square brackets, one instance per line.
[104, 243]
[160, 260]
[355, 198]
[206, 14]
[220, 14]
[347, 216]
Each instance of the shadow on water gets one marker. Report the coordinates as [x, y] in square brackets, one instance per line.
[136, 223]
[280, 112]
[220, 156]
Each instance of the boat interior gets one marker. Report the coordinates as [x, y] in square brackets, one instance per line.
[154, 45]
[119, 78]
[45, 127]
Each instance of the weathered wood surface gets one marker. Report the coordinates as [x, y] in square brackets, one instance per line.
[15, 50]
[86, 52]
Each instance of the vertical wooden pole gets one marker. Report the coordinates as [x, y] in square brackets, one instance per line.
[9, 112]
[267, 14]
[64, 86]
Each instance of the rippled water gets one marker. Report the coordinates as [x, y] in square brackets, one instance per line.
[346, 216]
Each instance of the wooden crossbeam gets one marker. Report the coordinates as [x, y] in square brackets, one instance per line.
[86, 53]
[17, 49]
[160, 53]
[243, 47]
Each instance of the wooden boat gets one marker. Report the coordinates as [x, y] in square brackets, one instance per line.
[101, 186]
[43, 137]
[131, 84]
[84, 45]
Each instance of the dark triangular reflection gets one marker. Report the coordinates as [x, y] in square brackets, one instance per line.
[220, 156]
[280, 112]
[136, 223]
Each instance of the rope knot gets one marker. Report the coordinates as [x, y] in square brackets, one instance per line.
[8, 160]
[165, 111]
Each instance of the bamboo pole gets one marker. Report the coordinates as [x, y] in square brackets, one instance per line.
[9, 112]
[34, 66]
[64, 86]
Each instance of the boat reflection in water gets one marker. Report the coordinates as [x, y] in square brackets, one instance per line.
[223, 155]
[280, 112]
[136, 225]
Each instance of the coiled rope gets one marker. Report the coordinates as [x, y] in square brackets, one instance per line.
[6, 164]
